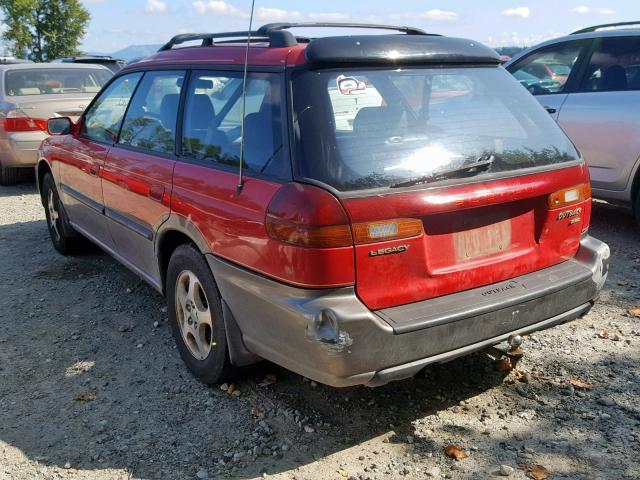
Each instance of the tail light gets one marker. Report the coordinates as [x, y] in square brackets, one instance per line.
[308, 216]
[18, 121]
[570, 196]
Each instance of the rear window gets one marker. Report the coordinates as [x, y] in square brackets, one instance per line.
[44, 81]
[386, 128]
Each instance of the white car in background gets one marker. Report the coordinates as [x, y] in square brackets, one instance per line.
[30, 93]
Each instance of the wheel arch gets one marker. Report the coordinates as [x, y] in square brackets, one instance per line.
[176, 231]
[635, 184]
[42, 168]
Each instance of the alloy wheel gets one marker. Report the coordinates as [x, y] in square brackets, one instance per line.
[54, 215]
[194, 315]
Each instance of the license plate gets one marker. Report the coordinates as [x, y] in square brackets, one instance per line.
[482, 241]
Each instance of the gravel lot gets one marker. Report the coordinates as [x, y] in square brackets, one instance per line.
[91, 386]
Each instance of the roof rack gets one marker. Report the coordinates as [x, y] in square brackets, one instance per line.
[277, 34]
[272, 27]
[595, 28]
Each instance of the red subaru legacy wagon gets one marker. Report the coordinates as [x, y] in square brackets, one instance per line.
[354, 209]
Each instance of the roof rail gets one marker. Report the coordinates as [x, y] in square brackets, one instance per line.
[272, 27]
[595, 28]
[277, 34]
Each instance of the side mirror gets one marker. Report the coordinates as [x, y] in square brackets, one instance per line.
[59, 126]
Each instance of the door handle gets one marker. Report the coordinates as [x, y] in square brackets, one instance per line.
[550, 110]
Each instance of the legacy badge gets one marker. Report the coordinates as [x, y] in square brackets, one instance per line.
[389, 250]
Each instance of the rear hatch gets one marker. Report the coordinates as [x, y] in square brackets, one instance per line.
[452, 178]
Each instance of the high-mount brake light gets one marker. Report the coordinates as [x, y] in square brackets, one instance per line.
[387, 230]
[308, 216]
[570, 196]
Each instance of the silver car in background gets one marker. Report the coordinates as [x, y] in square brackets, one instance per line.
[589, 82]
[31, 93]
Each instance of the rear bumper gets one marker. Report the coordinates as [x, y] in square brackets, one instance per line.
[330, 336]
[20, 149]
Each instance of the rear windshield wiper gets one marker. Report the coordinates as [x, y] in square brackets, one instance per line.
[483, 163]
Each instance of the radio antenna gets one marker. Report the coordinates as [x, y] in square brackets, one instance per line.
[244, 99]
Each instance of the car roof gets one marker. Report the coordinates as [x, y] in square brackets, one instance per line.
[607, 33]
[57, 66]
[273, 45]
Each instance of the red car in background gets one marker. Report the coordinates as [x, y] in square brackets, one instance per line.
[375, 226]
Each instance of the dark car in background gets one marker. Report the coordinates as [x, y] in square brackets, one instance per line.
[113, 64]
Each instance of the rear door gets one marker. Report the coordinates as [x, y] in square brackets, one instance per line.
[81, 168]
[205, 192]
[535, 72]
[602, 115]
[137, 177]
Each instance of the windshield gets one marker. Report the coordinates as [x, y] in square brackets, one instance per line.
[45, 81]
[386, 128]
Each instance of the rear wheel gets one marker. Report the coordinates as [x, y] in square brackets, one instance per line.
[8, 175]
[63, 236]
[195, 315]
[636, 209]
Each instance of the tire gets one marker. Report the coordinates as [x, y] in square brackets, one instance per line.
[636, 209]
[195, 316]
[64, 238]
[9, 175]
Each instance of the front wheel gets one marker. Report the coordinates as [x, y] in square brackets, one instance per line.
[63, 236]
[636, 209]
[195, 315]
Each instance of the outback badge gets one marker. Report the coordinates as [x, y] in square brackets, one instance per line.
[569, 213]
[389, 250]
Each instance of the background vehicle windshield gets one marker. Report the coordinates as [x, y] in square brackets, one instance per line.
[379, 128]
[43, 81]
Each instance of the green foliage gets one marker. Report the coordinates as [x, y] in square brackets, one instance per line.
[43, 30]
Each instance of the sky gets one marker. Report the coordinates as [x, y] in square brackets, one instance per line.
[119, 23]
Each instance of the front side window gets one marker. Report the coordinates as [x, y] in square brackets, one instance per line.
[213, 121]
[51, 81]
[103, 119]
[614, 66]
[151, 119]
[393, 128]
[547, 70]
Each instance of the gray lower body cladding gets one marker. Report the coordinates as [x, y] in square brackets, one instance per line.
[330, 336]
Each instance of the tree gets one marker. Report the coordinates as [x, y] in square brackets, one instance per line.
[42, 30]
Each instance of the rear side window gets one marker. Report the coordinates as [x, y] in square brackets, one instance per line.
[614, 66]
[391, 128]
[547, 70]
[45, 81]
[212, 126]
[103, 119]
[151, 119]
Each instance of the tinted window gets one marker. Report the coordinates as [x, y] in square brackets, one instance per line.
[547, 70]
[151, 119]
[49, 81]
[614, 65]
[383, 128]
[212, 121]
[102, 121]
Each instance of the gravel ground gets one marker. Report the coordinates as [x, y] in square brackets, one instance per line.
[91, 386]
